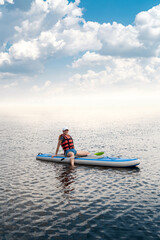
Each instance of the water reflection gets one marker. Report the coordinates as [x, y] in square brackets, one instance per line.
[66, 176]
[127, 170]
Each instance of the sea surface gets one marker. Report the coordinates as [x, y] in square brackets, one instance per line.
[44, 200]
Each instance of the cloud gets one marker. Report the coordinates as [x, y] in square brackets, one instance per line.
[4, 58]
[7, 75]
[65, 28]
[44, 16]
[8, 21]
[48, 88]
[107, 61]
[79, 41]
[44, 46]
[46, 85]
[10, 85]
[147, 24]
[144, 69]
[91, 59]
[119, 40]
[2, 2]
[24, 49]
[117, 73]
[37, 38]
[57, 28]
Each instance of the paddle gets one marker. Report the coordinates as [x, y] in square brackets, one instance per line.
[97, 154]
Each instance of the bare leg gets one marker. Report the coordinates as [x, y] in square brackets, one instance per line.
[82, 153]
[71, 155]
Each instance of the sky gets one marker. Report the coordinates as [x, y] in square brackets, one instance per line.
[82, 56]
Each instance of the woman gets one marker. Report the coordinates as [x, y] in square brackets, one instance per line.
[66, 141]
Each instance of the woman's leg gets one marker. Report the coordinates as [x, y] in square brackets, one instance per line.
[71, 155]
[82, 153]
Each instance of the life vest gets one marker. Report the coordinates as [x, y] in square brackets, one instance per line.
[67, 143]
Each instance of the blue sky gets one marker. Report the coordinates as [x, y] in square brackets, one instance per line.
[121, 11]
[83, 53]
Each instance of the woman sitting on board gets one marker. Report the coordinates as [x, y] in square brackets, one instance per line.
[66, 141]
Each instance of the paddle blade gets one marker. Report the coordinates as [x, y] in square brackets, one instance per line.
[99, 153]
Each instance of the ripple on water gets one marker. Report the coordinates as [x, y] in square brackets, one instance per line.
[42, 200]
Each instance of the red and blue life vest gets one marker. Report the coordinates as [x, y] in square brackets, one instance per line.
[67, 142]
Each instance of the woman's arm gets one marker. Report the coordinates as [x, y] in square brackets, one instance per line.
[58, 145]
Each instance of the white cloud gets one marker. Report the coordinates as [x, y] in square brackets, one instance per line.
[24, 49]
[49, 90]
[46, 85]
[147, 24]
[29, 29]
[58, 22]
[2, 2]
[43, 46]
[115, 59]
[6, 75]
[144, 69]
[149, 18]
[118, 39]
[43, 16]
[37, 38]
[49, 41]
[60, 7]
[4, 58]
[56, 27]
[79, 41]
[10, 85]
[91, 59]
[118, 72]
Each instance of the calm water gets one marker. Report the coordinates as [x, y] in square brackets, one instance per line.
[43, 200]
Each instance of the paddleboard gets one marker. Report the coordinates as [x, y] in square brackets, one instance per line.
[92, 160]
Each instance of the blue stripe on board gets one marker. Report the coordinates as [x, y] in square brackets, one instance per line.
[91, 159]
